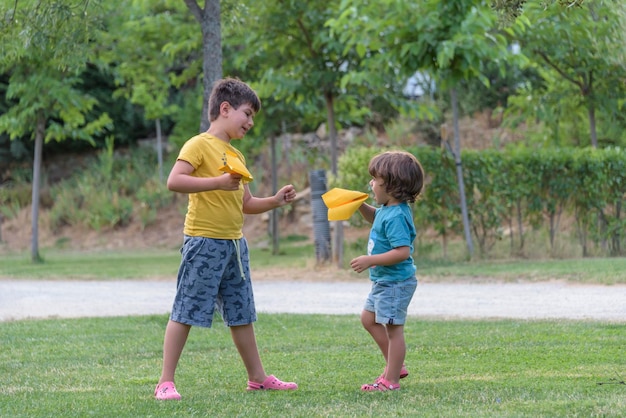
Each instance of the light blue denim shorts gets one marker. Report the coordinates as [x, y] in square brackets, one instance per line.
[390, 300]
[214, 273]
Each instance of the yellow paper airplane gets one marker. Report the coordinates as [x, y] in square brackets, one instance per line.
[233, 165]
[342, 203]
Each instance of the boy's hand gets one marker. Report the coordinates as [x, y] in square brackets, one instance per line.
[230, 181]
[360, 264]
[285, 195]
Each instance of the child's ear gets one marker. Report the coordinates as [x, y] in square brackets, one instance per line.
[224, 108]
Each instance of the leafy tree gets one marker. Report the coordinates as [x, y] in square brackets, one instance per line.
[474, 97]
[209, 19]
[509, 10]
[549, 110]
[589, 36]
[45, 47]
[295, 59]
[301, 62]
[134, 42]
[451, 40]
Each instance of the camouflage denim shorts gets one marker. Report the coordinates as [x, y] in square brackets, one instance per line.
[214, 273]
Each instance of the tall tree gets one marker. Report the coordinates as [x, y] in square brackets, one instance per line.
[46, 46]
[300, 61]
[590, 36]
[209, 18]
[449, 39]
[133, 49]
[509, 10]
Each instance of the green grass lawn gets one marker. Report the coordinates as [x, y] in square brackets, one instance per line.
[128, 264]
[93, 265]
[164, 264]
[108, 367]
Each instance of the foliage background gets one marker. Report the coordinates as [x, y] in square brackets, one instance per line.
[123, 72]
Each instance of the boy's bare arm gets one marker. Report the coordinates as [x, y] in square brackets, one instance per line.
[254, 205]
[180, 180]
[367, 211]
[389, 258]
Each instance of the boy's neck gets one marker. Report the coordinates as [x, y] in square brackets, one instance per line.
[218, 133]
[392, 202]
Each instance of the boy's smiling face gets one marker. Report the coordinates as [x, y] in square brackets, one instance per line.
[378, 188]
[240, 120]
[381, 196]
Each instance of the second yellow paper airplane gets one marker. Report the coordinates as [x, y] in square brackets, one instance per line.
[342, 203]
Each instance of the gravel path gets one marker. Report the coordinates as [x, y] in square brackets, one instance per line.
[70, 299]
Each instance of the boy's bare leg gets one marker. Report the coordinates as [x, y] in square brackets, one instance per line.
[245, 341]
[396, 353]
[175, 338]
[377, 331]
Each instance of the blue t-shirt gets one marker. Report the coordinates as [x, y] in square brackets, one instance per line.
[393, 227]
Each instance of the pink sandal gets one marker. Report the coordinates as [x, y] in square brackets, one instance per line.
[272, 383]
[381, 385]
[166, 391]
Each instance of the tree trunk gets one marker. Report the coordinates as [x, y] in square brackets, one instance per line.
[39, 135]
[616, 236]
[459, 173]
[520, 225]
[274, 213]
[511, 236]
[552, 222]
[591, 111]
[210, 23]
[332, 133]
[159, 148]
[581, 229]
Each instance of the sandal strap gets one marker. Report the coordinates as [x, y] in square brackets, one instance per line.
[381, 385]
[388, 385]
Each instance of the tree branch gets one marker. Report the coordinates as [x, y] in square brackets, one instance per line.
[562, 73]
[14, 11]
[196, 11]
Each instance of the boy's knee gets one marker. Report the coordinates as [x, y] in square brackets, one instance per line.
[368, 319]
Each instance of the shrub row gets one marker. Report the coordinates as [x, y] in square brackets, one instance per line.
[516, 190]
[112, 192]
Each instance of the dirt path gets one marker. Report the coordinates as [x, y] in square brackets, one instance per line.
[69, 299]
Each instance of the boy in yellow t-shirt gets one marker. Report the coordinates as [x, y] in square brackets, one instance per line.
[214, 271]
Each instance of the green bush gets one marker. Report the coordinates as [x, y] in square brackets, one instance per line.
[111, 192]
[151, 197]
[509, 192]
[12, 200]
[15, 193]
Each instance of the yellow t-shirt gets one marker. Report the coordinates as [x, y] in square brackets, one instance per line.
[214, 214]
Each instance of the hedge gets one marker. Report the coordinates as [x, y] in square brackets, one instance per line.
[513, 191]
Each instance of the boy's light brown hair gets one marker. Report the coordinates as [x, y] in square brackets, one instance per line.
[402, 174]
[233, 91]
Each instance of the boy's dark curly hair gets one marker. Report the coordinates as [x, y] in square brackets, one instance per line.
[401, 172]
[233, 91]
